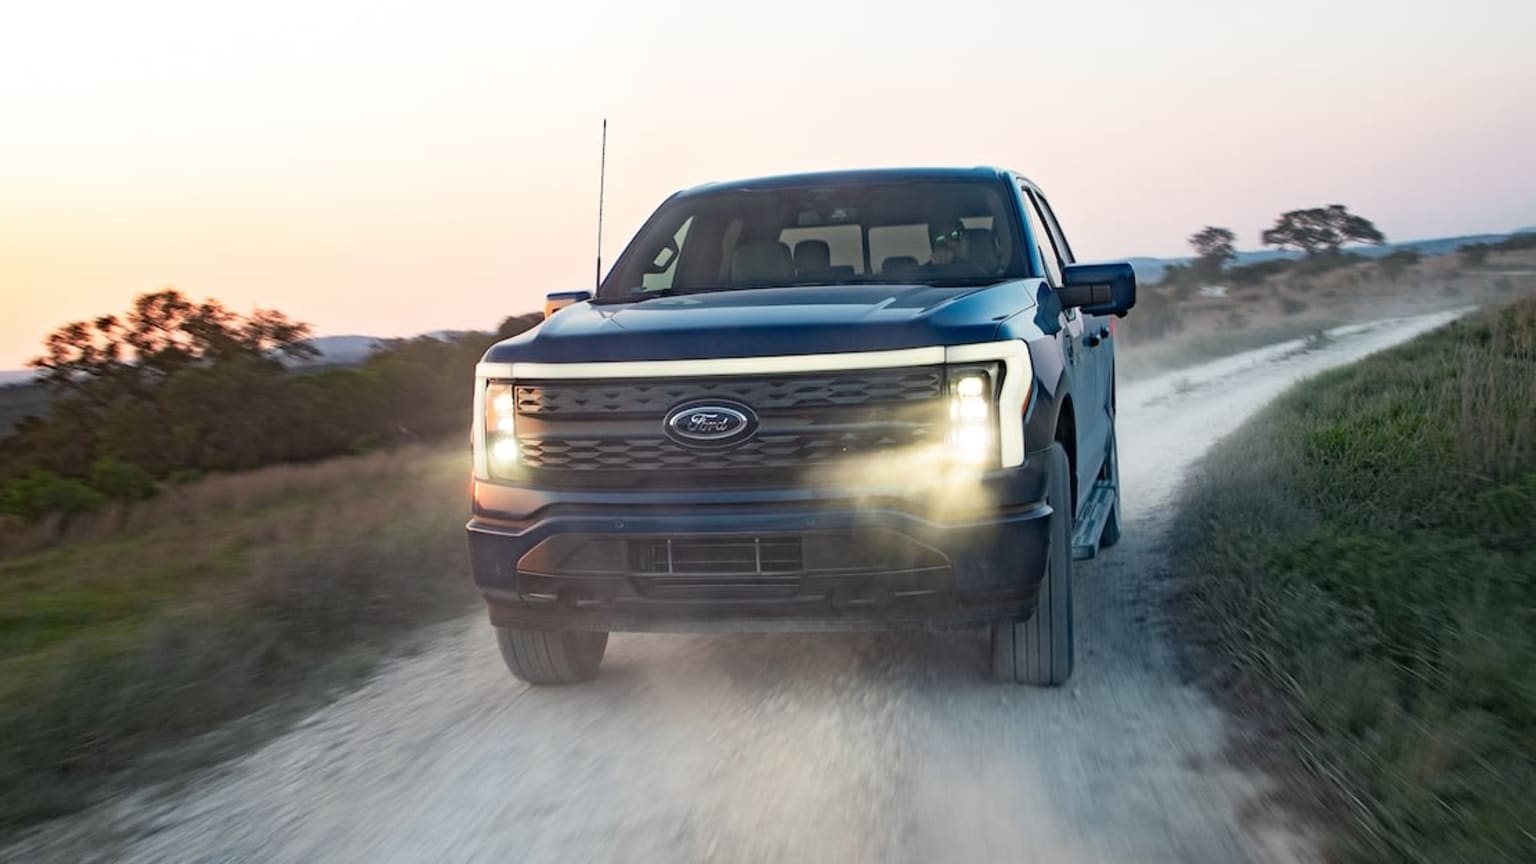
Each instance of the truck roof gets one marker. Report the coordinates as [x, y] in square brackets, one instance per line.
[834, 178]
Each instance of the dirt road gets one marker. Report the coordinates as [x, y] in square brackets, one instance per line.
[847, 748]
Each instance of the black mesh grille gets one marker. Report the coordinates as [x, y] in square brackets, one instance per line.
[743, 556]
[601, 434]
[763, 394]
[747, 567]
[763, 451]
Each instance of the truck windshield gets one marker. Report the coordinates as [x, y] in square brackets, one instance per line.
[924, 232]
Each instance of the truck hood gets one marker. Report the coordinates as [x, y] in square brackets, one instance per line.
[813, 319]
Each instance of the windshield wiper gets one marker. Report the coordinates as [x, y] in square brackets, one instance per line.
[960, 281]
[660, 292]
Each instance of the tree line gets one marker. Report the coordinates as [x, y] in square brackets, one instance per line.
[1315, 231]
[174, 388]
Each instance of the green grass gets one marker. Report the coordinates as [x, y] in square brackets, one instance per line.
[1366, 548]
[147, 626]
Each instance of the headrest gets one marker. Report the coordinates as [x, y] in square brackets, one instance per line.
[900, 266]
[812, 256]
[756, 263]
[981, 249]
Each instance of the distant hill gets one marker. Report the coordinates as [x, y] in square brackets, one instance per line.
[344, 350]
[15, 376]
[1151, 269]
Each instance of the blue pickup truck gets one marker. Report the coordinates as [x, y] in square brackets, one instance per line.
[823, 401]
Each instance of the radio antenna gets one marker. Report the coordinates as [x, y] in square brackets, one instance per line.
[602, 177]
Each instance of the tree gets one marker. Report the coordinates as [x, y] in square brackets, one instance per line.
[1214, 247]
[1321, 230]
[163, 333]
[1475, 254]
[512, 325]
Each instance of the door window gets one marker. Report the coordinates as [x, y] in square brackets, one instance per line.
[1062, 245]
[1043, 239]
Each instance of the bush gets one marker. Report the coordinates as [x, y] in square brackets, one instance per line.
[1258, 272]
[121, 480]
[1326, 262]
[1398, 262]
[1517, 242]
[38, 492]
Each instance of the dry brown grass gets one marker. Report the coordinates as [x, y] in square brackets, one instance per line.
[216, 496]
[146, 626]
[1192, 328]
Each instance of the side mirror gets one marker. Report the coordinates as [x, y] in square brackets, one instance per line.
[561, 299]
[1099, 289]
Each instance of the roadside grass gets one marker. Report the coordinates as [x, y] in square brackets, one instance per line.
[1365, 550]
[139, 629]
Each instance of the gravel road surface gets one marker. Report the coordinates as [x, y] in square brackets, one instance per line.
[884, 747]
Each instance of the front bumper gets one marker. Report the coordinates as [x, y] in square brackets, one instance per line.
[824, 560]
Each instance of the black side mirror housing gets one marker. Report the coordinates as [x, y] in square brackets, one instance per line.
[1099, 289]
[561, 299]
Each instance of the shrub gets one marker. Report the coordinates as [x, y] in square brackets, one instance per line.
[1256, 273]
[39, 492]
[1398, 262]
[121, 480]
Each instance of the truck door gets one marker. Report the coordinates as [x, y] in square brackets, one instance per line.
[1082, 336]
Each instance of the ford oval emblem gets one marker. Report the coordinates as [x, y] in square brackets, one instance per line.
[710, 424]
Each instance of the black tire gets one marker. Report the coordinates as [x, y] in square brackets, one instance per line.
[1111, 534]
[552, 656]
[1038, 650]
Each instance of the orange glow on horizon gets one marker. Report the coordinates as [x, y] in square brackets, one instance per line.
[387, 170]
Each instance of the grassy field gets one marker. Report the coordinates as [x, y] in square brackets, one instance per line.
[1362, 559]
[143, 627]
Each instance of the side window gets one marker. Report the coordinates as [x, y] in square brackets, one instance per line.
[1061, 238]
[1043, 239]
[660, 272]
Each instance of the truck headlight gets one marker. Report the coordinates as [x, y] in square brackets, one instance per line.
[972, 426]
[500, 428]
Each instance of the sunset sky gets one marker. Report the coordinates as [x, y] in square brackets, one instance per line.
[388, 168]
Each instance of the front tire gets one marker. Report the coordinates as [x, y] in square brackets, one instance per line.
[1038, 650]
[552, 656]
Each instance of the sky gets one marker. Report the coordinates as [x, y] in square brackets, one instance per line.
[390, 168]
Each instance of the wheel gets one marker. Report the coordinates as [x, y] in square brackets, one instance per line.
[1038, 650]
[552, 656]
[1111, 534]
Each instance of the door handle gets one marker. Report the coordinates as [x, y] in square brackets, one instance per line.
[1097, 336]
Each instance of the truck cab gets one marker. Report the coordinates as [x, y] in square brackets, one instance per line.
[822, 401]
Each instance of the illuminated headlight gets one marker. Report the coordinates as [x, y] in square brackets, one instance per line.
[500, 428]
[972, 426]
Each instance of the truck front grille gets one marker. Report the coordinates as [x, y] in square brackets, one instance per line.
[764, 394]
[761, 452]
[599, 434]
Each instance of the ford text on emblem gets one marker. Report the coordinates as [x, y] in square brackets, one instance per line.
[710, 424]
